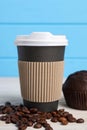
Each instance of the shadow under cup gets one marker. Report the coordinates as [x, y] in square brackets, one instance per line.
[41, 75]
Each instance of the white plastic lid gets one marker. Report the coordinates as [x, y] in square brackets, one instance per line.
[41, 39]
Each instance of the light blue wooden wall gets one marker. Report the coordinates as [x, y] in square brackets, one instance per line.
[56, 16]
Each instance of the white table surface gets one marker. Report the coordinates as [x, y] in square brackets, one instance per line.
[10, 91]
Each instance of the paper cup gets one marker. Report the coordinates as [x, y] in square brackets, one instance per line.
[41, 66]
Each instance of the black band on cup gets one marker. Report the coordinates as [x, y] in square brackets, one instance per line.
[41, 53]
[45, 107]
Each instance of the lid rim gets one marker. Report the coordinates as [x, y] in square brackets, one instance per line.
[41, 39]
[34, 44]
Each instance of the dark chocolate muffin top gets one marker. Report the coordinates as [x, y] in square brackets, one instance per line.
[76, 81]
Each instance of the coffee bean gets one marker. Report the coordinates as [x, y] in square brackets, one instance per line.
[46, 125]
[70, 118]
[54, 119]
[19, 113]
[44, 115]
[61, 119]
[23, 117]
[64, 122]
[7, 104]
[65, 114]
[30, 116]
[41, 121]
[30, 123]
[80, 120]
[21, 105]
[49, 128]
[48, 116]
[1, 112]
[7, 110]
[58, 115]
[3, 118]
[24, 120]
[25, 110]
[1, 107]
[54, 113]
[14, 120]
[69, 115]
[19, 123]
[8, 120]
[22, 127]
[39, 112]
[61, 110]
[33, 120]
[33, 110]
[37, 125]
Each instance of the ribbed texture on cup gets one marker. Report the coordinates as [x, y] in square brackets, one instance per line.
[41, 81]
[77, 100]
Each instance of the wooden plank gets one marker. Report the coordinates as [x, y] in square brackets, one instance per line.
[77, 36]
[9, 67]
[73, 65]
[47, 11]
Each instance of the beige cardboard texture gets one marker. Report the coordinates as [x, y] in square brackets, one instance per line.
[41, 81]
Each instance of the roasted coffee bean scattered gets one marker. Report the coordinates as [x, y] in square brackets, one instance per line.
[33, 110]
[63, 120]
[49, 128]
[46, 125]
[70, 118]
[54, 119]
[37, 125]
[48, 115]
[7, 104]
[22, 127]
[30, 123]
[23, 117]
[80, 120]
[65, 114]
